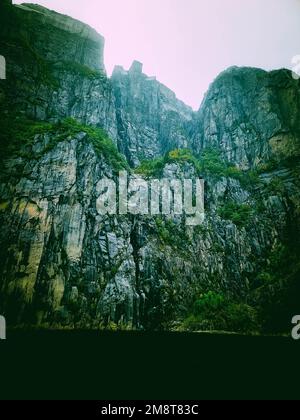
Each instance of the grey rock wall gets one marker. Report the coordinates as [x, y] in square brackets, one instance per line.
[64, 264]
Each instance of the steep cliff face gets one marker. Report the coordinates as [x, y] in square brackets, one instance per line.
[246, 112]
[151, 120]
[60, 254]
[56, 37]
[65, 264]
[55, 68]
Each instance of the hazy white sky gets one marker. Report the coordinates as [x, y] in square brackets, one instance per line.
[187, 43]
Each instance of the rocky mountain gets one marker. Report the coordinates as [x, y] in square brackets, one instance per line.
[151, 120]
[247, 113]
[66, 126]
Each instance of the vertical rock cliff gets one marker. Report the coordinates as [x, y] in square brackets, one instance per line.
[247, 112]
[65, 126]
[151, 120]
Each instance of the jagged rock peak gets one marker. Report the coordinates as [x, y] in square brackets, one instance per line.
[151, 120]
[136, 67]
[136, 70]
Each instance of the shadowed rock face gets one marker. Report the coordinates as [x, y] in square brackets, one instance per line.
[55, 68]
[63, 264]
[57, 37]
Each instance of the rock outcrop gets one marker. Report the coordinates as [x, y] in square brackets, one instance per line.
[66, 126]
[246, 111]
[151, 120]
[56, 37]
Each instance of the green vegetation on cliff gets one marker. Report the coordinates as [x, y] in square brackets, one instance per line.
[80, 69]
[18, 136]
[18, 133]
[102, 144]
[239, 214]
[171, 233]
[275, 291]
[208, 163]
[215, 312]
[155, 167]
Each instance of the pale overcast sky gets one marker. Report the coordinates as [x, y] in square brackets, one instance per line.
[187, 43]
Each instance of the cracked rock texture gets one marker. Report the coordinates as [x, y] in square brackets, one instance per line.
[63, 263]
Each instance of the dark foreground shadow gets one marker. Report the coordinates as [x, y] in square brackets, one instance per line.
[93, 365]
